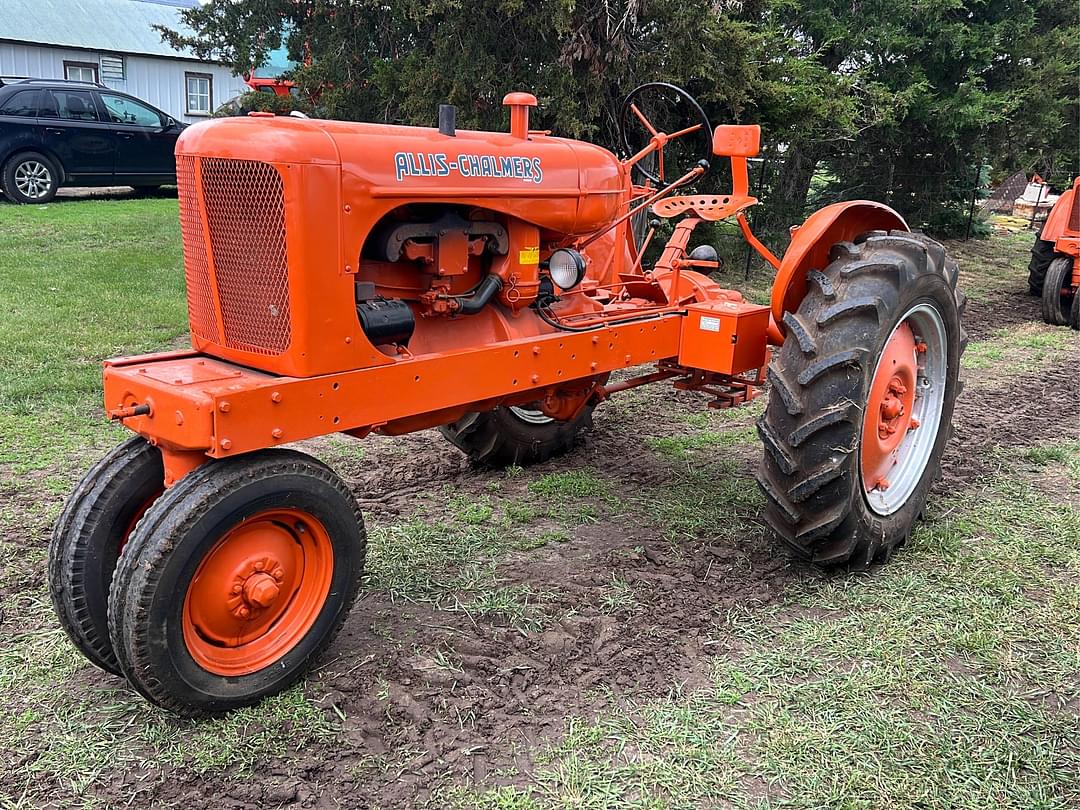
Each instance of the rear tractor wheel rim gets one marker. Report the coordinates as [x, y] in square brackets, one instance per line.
[531, 416]
[33, 179]
[258, 592]
[903, 410]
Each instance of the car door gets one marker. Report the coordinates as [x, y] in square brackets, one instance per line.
[74, 132]
[145, 140]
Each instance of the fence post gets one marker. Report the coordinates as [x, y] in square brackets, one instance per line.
[971, 210]
[1035, 208]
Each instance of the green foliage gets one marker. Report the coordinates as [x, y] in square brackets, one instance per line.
[262, 102]
[951, 222]
[891, 100]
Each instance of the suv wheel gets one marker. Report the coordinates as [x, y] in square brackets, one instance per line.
[30, 178]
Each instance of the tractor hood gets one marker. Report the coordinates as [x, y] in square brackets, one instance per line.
[562, 185]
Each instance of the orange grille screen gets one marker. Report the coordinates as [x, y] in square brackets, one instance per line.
[196, 269]
[1074, 215]
[232, 215]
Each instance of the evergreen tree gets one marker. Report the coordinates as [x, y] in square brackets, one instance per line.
[895, 100]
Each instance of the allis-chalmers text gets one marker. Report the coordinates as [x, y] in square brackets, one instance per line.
[437, 164]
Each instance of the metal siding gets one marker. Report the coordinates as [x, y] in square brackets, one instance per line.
[159, 82]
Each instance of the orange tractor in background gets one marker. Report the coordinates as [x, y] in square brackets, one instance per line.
[272, 86]
[357, 278]
[1054, 271]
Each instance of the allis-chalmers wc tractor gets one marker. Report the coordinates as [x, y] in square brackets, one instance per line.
[352, 278]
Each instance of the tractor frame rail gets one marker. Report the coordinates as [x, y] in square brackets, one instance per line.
[200, 407]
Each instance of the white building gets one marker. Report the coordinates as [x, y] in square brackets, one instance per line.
[113, 42]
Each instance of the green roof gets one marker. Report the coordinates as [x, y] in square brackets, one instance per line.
[123, 26]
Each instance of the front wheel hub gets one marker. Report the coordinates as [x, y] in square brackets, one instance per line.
[260, 590]
[257, 592]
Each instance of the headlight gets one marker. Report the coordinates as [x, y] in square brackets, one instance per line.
[567, 268]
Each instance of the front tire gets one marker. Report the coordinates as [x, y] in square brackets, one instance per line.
[30, 178]
[236, 579]
[89, 537]
[1057, 294]
[507, 436]
[862, 399]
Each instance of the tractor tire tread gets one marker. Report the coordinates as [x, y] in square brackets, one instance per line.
[819, 368]
[1074, 312]
[835, 415]
[1042, 253]
[70, 547]
[802, 334]
[498, 438]
[810, 474]
[785, 389]
[780, 452]
[854, 306]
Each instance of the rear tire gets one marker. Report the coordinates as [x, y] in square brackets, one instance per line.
[30, 178]
[826, 496]
[88, 539]
[508, 436]
[1042, 253]
[236, 579]
[1074, 315]
[1057, 294]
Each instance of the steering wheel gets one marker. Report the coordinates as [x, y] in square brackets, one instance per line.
[670, 120]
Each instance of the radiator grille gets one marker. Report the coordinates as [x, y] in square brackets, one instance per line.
[246, 257]
[1074, 215]
[196, 270]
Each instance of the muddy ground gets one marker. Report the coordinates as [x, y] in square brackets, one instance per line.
[410, 723]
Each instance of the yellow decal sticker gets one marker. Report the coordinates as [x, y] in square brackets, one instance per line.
[529, 255]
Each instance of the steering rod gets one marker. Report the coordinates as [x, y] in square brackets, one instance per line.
[696, 172]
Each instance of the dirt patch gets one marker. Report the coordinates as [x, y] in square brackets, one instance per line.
[1000, 309]
[1007, 407]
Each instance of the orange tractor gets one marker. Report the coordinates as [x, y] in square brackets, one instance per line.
[1054, 271]
[351, 278]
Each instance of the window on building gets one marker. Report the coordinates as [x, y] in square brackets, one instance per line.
[200, 89]
[123, 110]
[75, 105]
[23, 104]
[80, 71]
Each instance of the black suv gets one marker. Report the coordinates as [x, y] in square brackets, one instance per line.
[65, 133]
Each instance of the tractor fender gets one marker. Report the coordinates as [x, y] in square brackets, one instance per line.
[812, 241]
[1058, 222]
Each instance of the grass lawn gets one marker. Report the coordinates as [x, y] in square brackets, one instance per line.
[611, 630]
[79, 281]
